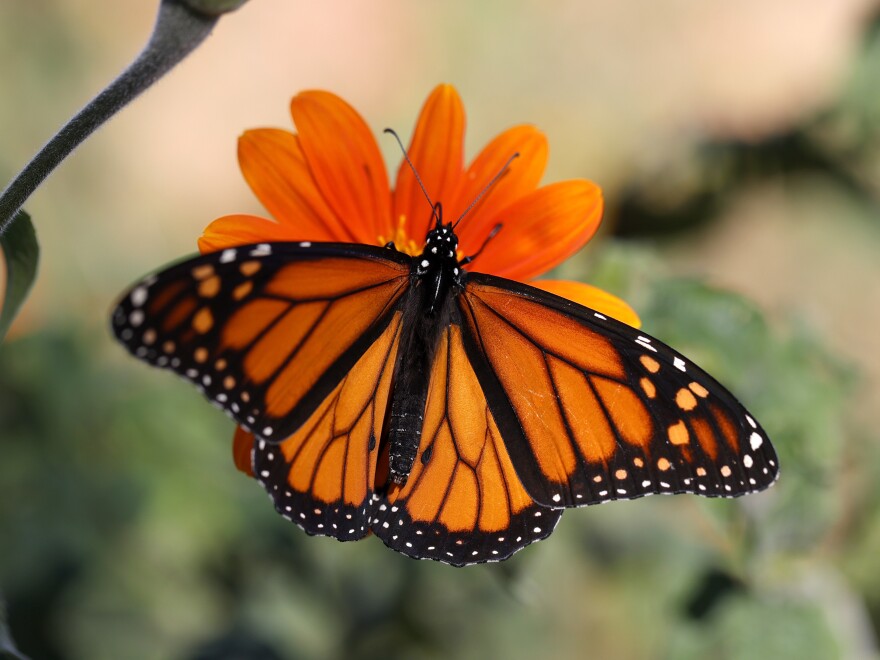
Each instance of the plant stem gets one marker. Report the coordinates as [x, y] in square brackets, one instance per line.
[177, 32]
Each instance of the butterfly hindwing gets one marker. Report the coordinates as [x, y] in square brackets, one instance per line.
[323, 476]
[266, 331]
[463, 502]
[593, 410]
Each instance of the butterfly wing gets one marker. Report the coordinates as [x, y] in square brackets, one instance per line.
[322, 477]
[592, 410]
[463, 502]
[266, 331]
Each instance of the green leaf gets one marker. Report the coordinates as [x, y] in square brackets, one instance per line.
[21, 253]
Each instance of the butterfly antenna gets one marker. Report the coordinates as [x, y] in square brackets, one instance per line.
[476, 254]
[434, 206]
[494, 180]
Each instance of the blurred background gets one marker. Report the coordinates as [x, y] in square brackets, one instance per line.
[738, 145]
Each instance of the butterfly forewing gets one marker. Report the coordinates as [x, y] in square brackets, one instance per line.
[265, 331]
[593, 410]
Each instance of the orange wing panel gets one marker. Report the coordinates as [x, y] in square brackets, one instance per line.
[627, 412]
[325, 337]
[558, 334]
[586, 419]
[272, 350]
[324, 279]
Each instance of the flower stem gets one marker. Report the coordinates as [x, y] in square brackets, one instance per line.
[177, 32]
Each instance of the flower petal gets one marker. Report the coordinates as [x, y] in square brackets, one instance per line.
[275, 167]
[234, 230]
[522, 177]
[539, 231]
[345, 162]
[593, 297]
[437, 153]
[242, 451]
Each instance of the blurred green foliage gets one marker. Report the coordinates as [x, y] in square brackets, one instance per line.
[126, 532]
[837, 145]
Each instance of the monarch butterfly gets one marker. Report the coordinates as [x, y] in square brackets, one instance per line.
[453, 414]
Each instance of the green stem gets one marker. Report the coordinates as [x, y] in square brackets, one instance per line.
[178, 31]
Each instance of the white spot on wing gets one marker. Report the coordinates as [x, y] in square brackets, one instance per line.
[678, 363]
[139, 296]
[645, 345]
[227, 255]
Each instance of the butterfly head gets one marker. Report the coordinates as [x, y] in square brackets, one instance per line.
[441, 246]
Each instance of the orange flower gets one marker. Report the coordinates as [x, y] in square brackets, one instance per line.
[329, 183]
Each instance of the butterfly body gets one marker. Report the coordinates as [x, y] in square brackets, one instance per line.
[453, 414]
[436, 278]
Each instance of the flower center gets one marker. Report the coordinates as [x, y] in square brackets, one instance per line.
[401, 241]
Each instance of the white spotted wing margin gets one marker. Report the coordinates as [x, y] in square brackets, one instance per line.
[593, 410]
[249, 326]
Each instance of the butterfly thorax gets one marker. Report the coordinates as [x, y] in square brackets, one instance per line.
[437, 277]
[437, 267]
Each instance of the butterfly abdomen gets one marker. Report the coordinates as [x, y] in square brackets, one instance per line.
[404, 432]
[409, 393]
